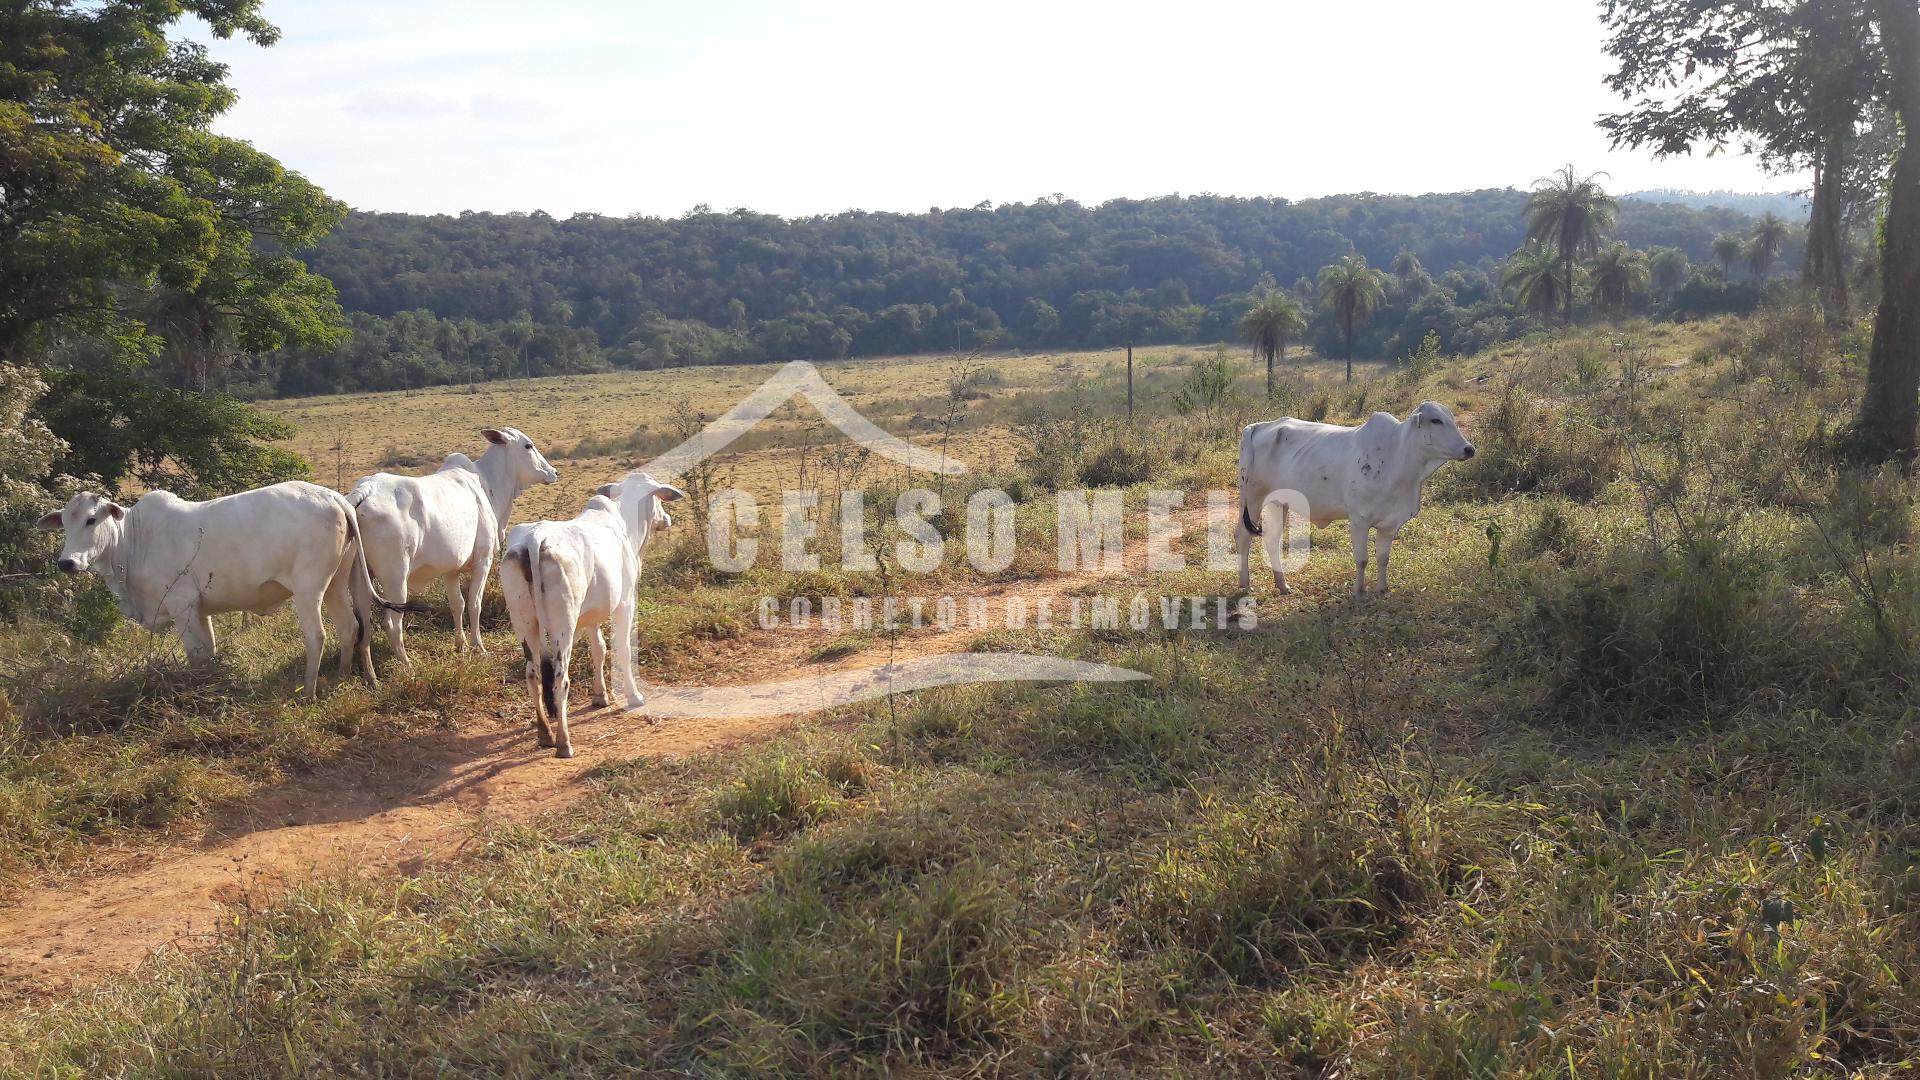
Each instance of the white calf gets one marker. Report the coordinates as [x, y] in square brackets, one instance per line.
[1371, 475]
[445, 525]
[564, 577]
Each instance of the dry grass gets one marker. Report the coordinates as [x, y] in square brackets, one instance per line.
[1633, 794]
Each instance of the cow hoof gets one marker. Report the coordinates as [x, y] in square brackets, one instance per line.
[636, 704]
[599, 702]
[563, 751]
[1285, 590]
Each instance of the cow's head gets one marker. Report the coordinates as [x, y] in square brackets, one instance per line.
[1435, 433]
[92, 526]
[643, 502]
[527, 466]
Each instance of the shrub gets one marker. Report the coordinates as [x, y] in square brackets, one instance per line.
[1551, 532]
[1527, 445]
[1119, 463]
[1694, 632]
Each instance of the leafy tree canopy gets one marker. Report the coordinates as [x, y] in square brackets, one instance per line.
[129, 231]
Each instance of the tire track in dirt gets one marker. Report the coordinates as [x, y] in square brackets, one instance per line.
[409, 804]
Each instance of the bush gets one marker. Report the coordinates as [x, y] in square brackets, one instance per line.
[1691, 633]
[1529, 445]
[1120, 463]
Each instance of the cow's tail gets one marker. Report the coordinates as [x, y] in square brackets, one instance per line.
[1247, 520]
[532, 556]
[366, 595]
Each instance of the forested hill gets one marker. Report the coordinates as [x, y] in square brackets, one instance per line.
[443, 298]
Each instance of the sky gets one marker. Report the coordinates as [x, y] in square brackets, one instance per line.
[618, 108]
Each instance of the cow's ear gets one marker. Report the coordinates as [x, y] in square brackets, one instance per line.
[611, 491]
[116, 510]
[669, 493]
[495, 436]
[50, 523]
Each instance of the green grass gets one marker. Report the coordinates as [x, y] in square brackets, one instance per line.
[1638, 798]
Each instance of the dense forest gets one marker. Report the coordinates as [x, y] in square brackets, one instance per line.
[436, 299]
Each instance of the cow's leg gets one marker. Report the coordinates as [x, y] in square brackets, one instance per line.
[1277, 550]
[598, 643]
[391, 573]
[355, 636]
[543, 734]
[623, 653]
[457, 608]
[346, 628]
[307, 609]
[1360, 532]
[557, 700]
[476, 589]
[1385, 540]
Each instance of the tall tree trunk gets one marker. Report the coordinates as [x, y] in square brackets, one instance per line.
[1270, 353]
[1826, 265]
[1888, 410]
[1566, 267]
[1348, 324]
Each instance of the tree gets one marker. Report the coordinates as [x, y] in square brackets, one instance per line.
[1669, 267]
[1727, 247]
[28, 451]
[1801, 81]
[1272, 320]
[1794, 81]
[1572, 216]
[1763, 247]
[1886, 423]
[1406, 266]
[1618, 272]
[129, 230]
[1537, 279]
[1352, 293]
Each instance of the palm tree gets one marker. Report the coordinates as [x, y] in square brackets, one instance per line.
[1669, 267]
[1537, 277]
[1571, 216]
[1405, 266]
[1726, 248]
[1769, 235]
[1618, 272]
[1268, 324]
[1352, 292]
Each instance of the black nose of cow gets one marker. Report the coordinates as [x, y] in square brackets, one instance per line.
[1468, 454]
[68, 566]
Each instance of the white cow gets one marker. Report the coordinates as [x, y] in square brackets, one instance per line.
[444, 525]
[1371, 475]
[170, 561]
[563, 577]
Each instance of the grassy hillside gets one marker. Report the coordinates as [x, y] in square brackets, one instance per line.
[1619, 781]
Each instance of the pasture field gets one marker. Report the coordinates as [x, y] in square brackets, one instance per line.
[1620, 780]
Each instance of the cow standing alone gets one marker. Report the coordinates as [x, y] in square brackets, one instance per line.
[1371, 475]
[173, 562]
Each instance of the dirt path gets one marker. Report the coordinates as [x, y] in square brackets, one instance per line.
[413, 803]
